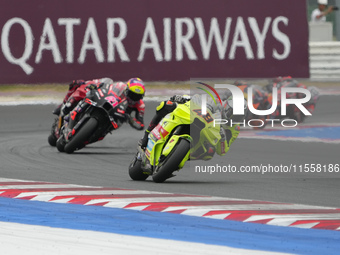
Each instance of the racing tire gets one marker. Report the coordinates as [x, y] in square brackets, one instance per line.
[52, 140]
[170, 164]
[136, 171]
[77, 141]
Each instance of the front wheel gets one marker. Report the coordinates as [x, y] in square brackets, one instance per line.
[52, 138]
[77, 141]
[171, 162]
[136, 171]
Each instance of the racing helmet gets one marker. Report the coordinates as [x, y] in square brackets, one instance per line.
[135, 89]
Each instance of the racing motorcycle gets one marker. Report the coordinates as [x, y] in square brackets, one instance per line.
[181, 135]
[100, 112]
[293, 112]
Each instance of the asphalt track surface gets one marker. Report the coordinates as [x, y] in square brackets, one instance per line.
[26, 155]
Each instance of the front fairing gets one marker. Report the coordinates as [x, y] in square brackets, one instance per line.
[161, 134]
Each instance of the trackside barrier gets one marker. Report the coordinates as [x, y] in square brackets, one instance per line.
[324, 61]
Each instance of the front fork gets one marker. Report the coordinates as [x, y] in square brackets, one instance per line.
[60, 122]
[146, 166]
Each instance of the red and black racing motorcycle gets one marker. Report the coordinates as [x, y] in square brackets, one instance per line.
[293, 112]
[100, 112]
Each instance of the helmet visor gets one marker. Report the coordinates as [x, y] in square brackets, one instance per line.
[133, 96]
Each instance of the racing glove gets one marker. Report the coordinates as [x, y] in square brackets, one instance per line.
[179, 99]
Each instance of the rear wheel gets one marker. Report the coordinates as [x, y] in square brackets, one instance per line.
[171, 162]
[77, 141]
[136, 171]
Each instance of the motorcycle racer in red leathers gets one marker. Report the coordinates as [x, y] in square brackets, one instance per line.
[133, 91]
